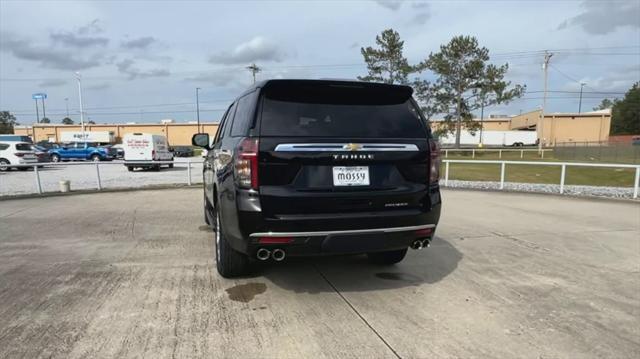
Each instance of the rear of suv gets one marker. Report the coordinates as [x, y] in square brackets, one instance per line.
[318, 167]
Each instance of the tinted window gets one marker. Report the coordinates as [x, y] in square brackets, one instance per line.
[224, 130]
[288, 118]
[23, 147]
[3, 146]
[244, 115]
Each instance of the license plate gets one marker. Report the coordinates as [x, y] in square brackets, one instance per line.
[351, 176]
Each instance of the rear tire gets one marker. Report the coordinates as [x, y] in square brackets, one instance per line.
[95, 158]
[387, 258]
[229, 262]
[171, 165]
[55, 158]
[130, 168]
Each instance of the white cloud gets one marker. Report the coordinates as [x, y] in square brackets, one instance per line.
[254, 50]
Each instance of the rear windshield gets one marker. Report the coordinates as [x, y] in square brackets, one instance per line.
[23, 147]
[339, 117]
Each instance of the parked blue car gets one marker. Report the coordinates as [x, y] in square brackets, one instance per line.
[82, 151]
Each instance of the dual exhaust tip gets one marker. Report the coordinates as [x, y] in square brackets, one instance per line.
[277, 254]
[421, 243]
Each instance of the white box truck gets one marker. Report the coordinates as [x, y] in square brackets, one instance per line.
[102, 137]
[141, 150]
[493, 138]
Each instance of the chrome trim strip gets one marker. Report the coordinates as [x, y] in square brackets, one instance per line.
[350, 231]
[345, 147]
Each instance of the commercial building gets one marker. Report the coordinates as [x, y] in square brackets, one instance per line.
[177, 133]
[557, 127]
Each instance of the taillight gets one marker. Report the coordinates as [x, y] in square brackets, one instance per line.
[153, 154]
[434, 171]
[246, 163]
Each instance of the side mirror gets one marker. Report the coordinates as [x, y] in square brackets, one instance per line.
[200, 140]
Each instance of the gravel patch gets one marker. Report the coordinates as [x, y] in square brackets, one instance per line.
[589, 191]
[112, 175]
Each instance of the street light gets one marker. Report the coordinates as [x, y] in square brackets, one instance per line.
[66, 103]
[198, 107]
[78, 77]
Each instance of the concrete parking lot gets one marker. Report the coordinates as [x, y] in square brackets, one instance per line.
[508, 276]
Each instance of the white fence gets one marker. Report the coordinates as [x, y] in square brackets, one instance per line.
[499, 150]
[190, 165]
[93, 171]
[562, 165]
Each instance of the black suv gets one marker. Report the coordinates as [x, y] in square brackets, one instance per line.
[315, 167]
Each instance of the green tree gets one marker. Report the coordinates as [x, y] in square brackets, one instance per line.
[605, 104]
[7, 121]
[45, 120]
[625, 115]
[466, 81]
[387, 63]
[67, 121]
[91, 122]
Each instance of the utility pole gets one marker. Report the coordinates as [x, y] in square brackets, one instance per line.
[44, 114]
[481, 120]
[198, 107]
[254, 70]
[545, 67]
[580, 104]
[66, 102]
[81, 107]
[37, 112]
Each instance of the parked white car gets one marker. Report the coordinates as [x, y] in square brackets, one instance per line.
[16, 153]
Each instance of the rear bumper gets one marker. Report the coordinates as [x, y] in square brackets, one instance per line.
[342, 242]
[336, 233]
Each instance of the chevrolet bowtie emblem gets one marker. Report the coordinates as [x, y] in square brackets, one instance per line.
[352, 146]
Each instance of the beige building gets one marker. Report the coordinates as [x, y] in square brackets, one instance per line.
[557, 127]
[566, 127]
[177, 133]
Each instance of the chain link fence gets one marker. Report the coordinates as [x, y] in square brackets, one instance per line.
[598, 152]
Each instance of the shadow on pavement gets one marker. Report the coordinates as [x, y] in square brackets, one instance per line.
[355, 274]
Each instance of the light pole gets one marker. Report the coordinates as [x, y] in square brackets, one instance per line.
[81, 107]
[44, 114]
[37, 112]
[66, 103]
[580, 103]
[198, 107]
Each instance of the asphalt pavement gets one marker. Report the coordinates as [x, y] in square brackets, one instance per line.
[132, 275]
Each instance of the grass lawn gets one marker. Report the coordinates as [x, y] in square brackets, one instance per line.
[541, 174]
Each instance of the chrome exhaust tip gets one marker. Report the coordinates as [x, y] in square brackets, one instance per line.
[278, 255]
[417, 244]
[263, 254]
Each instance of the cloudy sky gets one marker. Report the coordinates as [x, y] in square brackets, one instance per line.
[142, 60]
